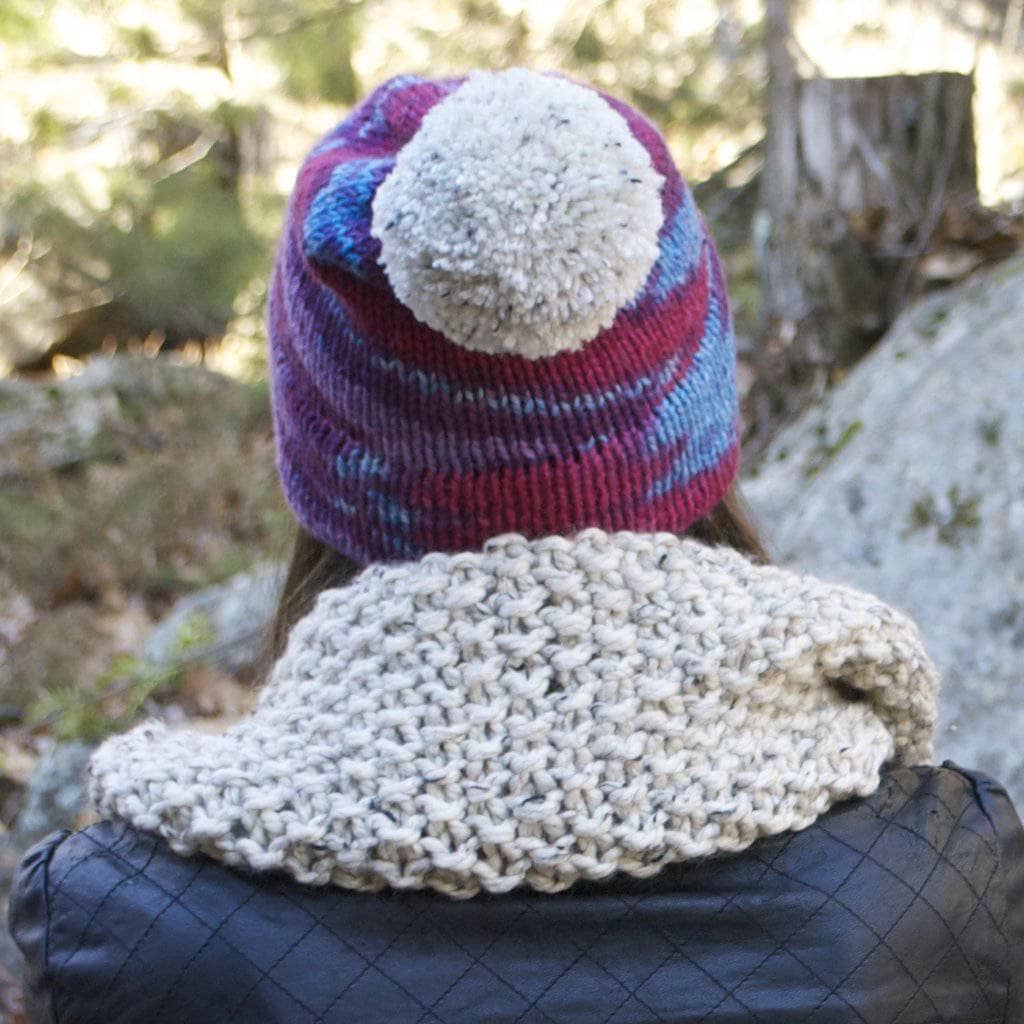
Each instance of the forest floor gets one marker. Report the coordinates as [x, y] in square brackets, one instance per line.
[123, 489]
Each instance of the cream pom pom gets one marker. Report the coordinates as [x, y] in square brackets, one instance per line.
[521, 216]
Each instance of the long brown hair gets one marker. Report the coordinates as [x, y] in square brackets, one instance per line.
[314, 567]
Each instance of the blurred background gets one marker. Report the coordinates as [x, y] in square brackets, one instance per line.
[861, 164]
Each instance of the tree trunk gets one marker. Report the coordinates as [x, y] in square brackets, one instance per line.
[782, 289]
[858, 175]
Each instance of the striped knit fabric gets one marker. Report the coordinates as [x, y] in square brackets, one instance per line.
[394, 441]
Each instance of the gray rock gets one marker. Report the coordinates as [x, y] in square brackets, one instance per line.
[223, 625]
[908, 481]
[50, 427]
[55, 794]
[92, 415]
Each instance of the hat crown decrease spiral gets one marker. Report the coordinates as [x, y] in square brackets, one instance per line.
[495, 308]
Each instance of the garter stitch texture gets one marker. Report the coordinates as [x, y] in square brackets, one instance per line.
[540, 712]
[495, 308]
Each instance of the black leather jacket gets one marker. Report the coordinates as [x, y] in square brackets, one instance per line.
[903, 908]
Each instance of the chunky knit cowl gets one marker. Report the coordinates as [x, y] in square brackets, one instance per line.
[539, 712]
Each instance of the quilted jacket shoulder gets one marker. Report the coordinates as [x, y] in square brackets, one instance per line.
[903, 908]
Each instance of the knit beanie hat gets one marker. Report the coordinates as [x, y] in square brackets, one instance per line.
[495, 308]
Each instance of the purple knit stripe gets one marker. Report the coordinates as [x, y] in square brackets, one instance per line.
[378, 384]
[306, 440]
[464, 438]
[328, 494]
[468, 436]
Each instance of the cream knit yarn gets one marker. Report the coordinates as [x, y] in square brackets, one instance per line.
[540, 712]
[521, 216]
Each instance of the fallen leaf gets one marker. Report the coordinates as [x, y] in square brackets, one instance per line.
[209, 692]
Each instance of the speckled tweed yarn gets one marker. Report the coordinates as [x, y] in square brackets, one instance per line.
[539, 712]
[559, 412]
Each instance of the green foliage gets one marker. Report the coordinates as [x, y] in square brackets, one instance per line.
[588, 47]
[166, 240]
[825, 451]
[24, 21]
[316, 56]
[953, 522]
[48, 129]
[713, 90]
[141, 41]
[1015, 90]
[186, 249]
[991, 430]
[174, 241]
[116, 700]
[196, 633]
[111, 704]
[930, 329]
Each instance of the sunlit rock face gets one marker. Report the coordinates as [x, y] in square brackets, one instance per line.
[909, 481]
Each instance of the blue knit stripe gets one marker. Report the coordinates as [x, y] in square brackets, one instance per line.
[432, 384]
[681, 245]
[385, 511]
[358, 463]
[336, 228]
[702, 407]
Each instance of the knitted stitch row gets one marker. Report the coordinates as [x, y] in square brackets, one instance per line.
[394, 439]
[540, 712]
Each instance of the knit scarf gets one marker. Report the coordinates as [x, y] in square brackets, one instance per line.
[539, 712]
